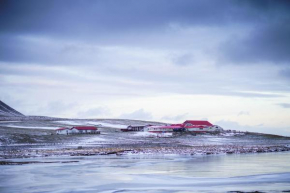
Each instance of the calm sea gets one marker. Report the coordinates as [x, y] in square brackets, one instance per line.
[268, 172]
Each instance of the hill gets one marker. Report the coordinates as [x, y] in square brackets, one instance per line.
[7, 111]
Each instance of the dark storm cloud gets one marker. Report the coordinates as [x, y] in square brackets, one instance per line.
[15, 49]
[270, 43]
[123, 21]
[268, 40]
[88, 17]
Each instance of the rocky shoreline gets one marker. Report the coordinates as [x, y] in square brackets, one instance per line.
[90, 151]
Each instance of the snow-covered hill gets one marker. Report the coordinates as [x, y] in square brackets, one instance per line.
[6, 111]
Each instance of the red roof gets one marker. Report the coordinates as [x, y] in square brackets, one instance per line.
[62, 128]
[85, 128]
[196, 126]
[180, 125]
[168, 127]
[206, 123]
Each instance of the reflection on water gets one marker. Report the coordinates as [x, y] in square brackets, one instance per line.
[268, 172]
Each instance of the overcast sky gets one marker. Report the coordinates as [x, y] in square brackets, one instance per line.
[165, 60]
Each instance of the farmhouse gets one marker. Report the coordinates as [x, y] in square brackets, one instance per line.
[191, 123]
[63, 130]
[164, 129]
[78, 130]
[135, 128]
[201, 127]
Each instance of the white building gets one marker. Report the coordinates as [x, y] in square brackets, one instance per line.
[78, 130]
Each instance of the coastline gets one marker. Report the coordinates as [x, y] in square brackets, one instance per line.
[29, 143]
[91, 151]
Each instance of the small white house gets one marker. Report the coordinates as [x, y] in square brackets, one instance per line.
[63, 130]
[78, 130]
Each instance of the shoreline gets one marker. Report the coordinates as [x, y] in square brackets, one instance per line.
[191, 151]
[30, 143]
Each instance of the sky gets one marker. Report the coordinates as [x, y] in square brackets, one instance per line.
[224, 61]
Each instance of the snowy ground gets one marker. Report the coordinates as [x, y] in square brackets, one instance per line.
[138, 161]
[35, 123]
[94, 123]
[31, 127]
[19, 139]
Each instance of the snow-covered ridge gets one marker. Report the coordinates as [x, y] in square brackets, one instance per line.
[92, 123]
[31, 127]
[7, 111]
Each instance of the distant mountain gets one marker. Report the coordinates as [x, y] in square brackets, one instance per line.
[6, 111]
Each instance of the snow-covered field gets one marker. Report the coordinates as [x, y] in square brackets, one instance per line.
[94, 123]
[9, 121]
[31, 127]
[148, 134]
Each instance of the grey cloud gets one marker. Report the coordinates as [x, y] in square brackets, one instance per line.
[269, 43]
[133, 83]
[54, 109]
[284, 105]
[180, 117]
[241, 113]
[80, 17]
[232, 125]
[25, 49]
[94, 112]
[140, 114]
[268, 37]
[38, 32]
[183, 60]
[285, 73]
[125, 22]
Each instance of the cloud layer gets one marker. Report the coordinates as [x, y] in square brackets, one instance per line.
[110, 58]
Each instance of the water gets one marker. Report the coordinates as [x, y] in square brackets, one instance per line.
[268, 172]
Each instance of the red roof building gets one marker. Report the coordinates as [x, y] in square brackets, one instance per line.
[85, 128]
[193, 123]
[180, 125]
[78, 130]
[163, 129]
[62, 128]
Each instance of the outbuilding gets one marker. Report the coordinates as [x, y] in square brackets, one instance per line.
[63, 130]
[84, 130]
[193, 123]
[134, 128]
[78, 130]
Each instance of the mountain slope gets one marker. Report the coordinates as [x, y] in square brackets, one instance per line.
[6, 111]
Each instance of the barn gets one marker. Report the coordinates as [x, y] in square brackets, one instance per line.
[199, 126]
[78, 130]
[194, 123]
[164, 129]
[135, 128]
[84, 130]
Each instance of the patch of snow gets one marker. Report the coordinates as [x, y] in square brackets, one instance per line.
[9, 121]
[232, 134]
[31, 127]
[149, 134]
[93, 123]
[94, 140]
